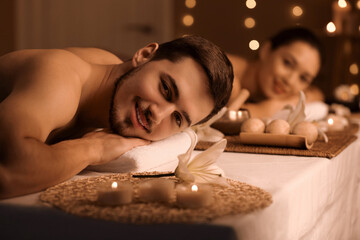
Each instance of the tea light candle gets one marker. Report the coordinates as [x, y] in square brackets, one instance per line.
[156, 190]
[193, 196]
[115, 193]
[336, 123]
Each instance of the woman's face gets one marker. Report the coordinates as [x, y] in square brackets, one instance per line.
[288, 69]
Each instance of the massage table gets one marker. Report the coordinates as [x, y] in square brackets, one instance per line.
[313, 198]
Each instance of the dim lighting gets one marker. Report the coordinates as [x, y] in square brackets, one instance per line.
[354, 89]
[354, 69]
[250, 4]
[249, 22]
[254, 45]
[342, 3]
[188, 20]
[297, 11]
[190, 3]
[330, 27]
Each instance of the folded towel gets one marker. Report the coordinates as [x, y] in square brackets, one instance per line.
[157, 156]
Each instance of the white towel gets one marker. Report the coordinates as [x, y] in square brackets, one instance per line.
[157, 156]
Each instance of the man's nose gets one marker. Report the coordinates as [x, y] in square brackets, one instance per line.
[160, 112]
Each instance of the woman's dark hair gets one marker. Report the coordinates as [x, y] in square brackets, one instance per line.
[213, 60]
[290, 35]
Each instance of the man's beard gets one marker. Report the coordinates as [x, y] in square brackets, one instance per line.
[119, 126]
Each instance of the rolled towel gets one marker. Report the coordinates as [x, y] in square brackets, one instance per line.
[157, 156]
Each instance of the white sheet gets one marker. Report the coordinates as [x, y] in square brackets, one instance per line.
[313, 198]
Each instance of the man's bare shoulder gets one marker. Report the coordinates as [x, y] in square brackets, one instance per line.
[95, 55]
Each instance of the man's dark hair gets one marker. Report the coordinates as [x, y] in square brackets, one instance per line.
[293, 34]
[212, 59]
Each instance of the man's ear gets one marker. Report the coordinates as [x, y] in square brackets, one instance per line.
[144, 54]
[265, 50]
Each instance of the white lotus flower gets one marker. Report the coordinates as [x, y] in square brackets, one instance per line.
[202, 168]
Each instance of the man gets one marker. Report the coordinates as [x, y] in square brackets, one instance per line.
[53, 100]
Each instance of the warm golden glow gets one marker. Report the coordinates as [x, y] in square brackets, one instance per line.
[342, 3]
[297, 11]
[354, 69]
[250, 4]
[354, 89]
[330, 27]
[114, 185]
[194, 188]
[330, 121]
[249, 22]
[188, 20]
[190, 3]
[232, 115]
[358, 4]
[254, 45]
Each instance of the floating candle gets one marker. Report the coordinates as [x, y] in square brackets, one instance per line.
[193, 196]
[156, 190]
[115, 193]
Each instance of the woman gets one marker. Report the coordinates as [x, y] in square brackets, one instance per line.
[287, 64]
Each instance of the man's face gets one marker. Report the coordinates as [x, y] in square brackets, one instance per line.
[289, 69]
[161, 98]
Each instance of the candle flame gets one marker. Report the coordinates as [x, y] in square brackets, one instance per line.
[330, 121]
[194, 188]
[114, 185]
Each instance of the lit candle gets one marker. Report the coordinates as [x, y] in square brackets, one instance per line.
[115, 193]
[336, 123]
[193, 196]
[156, 190]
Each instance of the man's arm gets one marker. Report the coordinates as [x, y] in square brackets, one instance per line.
[45, 96]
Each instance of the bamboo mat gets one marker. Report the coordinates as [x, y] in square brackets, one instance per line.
[338, 141]
[79, 197]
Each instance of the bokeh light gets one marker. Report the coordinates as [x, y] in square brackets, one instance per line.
[354, 69]
[250, 4]
[354, 89]
[342, 3]
[188, 20]
[330, 27]
[190, 3]
[297, 11]
[254, 45]
[249, 22]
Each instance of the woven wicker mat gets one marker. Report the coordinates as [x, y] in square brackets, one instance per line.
[79, 197]
[338, 141]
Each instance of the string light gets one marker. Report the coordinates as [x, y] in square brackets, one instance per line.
[330, 27]
[250, 4]
[188, 20]
[190, 3]
[358, 4]
[254, 45]
[249, 22]
[297, 11]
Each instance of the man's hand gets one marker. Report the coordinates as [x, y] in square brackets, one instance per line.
[112, 145]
